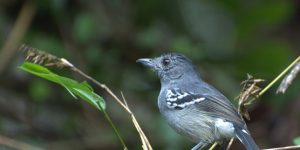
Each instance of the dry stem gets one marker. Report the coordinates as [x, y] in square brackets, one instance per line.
[284, 148]
[47, 59]
[146, 145]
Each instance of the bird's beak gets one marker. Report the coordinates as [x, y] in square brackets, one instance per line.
[146, 62]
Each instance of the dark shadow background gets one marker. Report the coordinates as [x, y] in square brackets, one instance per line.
[226, 39]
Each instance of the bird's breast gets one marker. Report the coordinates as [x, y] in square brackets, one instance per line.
[190, 123]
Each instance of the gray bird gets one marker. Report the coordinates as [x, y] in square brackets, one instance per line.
[192, 107]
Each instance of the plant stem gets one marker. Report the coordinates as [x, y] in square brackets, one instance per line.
[279, 76]
[213, 146]
[283, 148]
[113, 126]
[144, 139]
[276, 79]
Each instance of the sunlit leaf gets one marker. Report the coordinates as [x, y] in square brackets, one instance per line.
[82, 90]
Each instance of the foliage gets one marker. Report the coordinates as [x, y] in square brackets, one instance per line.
[82, 90]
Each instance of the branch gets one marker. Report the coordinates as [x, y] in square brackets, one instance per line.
[279, 76]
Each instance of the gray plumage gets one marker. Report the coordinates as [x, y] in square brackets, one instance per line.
[192, 107]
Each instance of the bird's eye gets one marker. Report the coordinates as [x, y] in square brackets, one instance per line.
[166, 61]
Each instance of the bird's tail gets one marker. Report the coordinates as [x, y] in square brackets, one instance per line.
[244, 136]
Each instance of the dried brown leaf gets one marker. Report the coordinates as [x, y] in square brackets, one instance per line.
[250, 90]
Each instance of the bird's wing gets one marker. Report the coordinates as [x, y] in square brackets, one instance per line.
[220, 107]
[215, 105]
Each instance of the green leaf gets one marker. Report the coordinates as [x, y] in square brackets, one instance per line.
[84, 95]
[82, 90]
[297, 140]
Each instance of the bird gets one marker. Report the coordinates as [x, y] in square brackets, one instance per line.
[193, 108]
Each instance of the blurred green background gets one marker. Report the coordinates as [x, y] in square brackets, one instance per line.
[226, 39]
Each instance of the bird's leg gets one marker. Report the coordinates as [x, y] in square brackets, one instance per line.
[199, 146]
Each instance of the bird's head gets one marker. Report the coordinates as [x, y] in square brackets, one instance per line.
[171, 67]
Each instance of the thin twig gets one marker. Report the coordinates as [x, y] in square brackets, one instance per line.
[279, 76]
[213, 146]
[284, 148]
[113, 126]
[146, 144]
[276, 79]
[230, 143]
[124, 100]
[100, 85]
